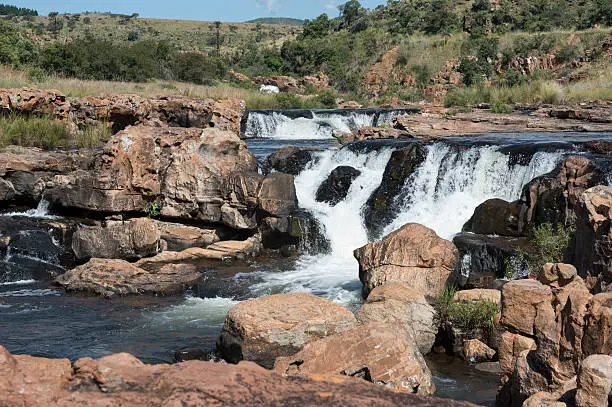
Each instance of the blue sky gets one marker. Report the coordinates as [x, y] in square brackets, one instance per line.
[208, 10]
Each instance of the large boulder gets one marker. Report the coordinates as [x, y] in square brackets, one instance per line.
[108, 277]
[180, 237]
[522, 302]
[496, 217]
[277, 195]
[400, 305]
[264, 328]
[511, 347]
[376, 352]
[594, 381]
[291, 160]
[123, 380]
[132, 239]
[598, 326]
[593, 241]
[336, 187]
[371, 133]
[379, 209]
[414, 255]
[192, 174]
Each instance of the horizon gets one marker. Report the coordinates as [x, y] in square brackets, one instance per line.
[239, 11]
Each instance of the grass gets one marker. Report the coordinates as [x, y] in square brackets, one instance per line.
[49, 134]
[38, 132]
[467, 316]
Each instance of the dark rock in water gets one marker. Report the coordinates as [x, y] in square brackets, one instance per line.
[484, 258]
[301, 229]
[185, 355]
[288, 250]
[335, 188]
[291, 160]
[496, 217]
[598, 146]
[379, 209]
[34, 248]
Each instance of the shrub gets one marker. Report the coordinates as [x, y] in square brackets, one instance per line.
[288, 101]
[467, 316]
[93, 137]
[500, 107]
[40, 132]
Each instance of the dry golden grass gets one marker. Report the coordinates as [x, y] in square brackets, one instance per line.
[12, 78]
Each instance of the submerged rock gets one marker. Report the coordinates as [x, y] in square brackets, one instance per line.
[414, 255]
[375, 352]
[379, 209]
[264, 328]
[336, 187]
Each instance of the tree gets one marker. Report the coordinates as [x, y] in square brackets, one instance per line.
[317, 28]
[350, 12]
[218, 37]
[54, 15]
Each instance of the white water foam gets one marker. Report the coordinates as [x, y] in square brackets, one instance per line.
[30, 293]
[446, 189]
[20, 282]
[41, 212]
[335, 275]
[194, 312]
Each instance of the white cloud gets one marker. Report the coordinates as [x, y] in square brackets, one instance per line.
[270, 5]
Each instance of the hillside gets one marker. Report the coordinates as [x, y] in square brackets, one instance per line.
[278, 21]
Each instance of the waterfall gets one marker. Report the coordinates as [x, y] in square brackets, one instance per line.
[314, 124]
[446, 189]
[41, 212]
[333, 275]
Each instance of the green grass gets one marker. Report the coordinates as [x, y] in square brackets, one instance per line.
[38, 132]
[467, 316]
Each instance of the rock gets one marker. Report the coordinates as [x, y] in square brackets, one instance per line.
[379, 210]
[381, 75]
[277, 195]
[122, 380]
[594, 381]
[284, 83]
[264, 328]
[477, 295]
[399, 305]
[31, 101]
[496, 217]
[593, 241]
[376, 352]
[371, 133]
[318, 82]
[180, 237]
[598, 326]
[475, 351]
[109, 277]
[561, 273]
[522, 301]
[134, 239]
[291, 160]
[414, 255]
[189, 174]
[336, 187]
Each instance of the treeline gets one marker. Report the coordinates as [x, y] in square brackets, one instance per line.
[8, 10]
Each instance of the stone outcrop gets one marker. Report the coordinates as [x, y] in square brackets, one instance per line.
[336, 187]
[400, 305]
[474, 351]
[542, 119]
[414, 255]
[478, 294]
[593, 241]
[496, 217]
[291, 160]
[133, 239]
[594, 386]
[371, 133]
[283, 83]
[26, 173]
[123, 380]
[109, 277]
[179, 237]
[264, 328]
[379, 210]
[120, 111]
[552, 329]
[376, 352]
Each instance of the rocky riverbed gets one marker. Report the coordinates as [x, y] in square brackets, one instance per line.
[326, 266]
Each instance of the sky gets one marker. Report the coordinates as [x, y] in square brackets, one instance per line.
[206, 10]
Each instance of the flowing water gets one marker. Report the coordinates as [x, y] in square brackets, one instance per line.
[456, 176]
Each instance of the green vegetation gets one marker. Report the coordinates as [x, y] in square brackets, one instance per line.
[8, 10]
[278, 21]
[550, 244]
[467, 316]
[41, 132]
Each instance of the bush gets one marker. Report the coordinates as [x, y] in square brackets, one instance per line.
[288, 101]
[40, 132]
[467, 316]
[326, 99]
[93, 137]
[198, 68]
[500, 107]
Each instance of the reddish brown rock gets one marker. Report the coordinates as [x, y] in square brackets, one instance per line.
[400, 305]
[375, 352]
[511, 346]
[180, 237]
[414, 255]
[118, 277]
[479, 294]
[371, 133]
[594, 381]
[264, 328]
[283, 83]
[381, 74]
[34, 101]
[474, 351]
[598, 326]
[522, 300]
[122, 380]
[318, 82]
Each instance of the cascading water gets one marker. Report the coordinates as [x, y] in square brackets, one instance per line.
[316, 124]
[333, 275]
[446, 189]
